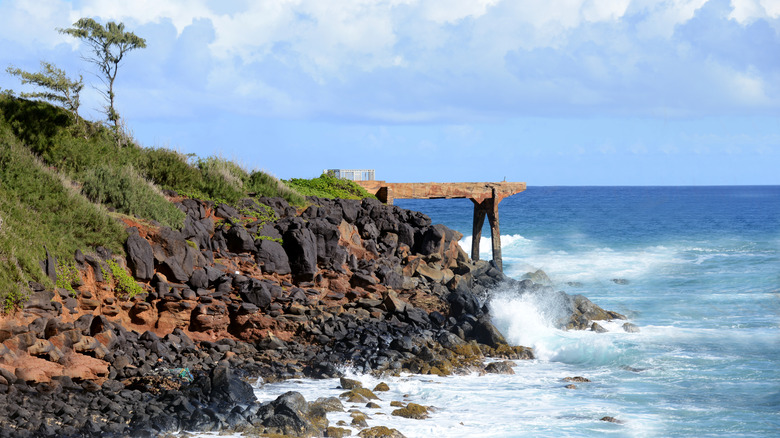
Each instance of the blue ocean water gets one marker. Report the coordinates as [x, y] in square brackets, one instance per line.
[697, 269]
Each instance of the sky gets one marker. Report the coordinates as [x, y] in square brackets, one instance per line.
[565, 92]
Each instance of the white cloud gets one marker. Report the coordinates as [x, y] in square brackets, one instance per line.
[454, 10]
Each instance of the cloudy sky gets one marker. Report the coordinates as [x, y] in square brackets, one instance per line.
[564, 92]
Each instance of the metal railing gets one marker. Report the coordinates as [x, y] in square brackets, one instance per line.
[352, 174]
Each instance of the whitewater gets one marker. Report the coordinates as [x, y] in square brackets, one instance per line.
[696, 268]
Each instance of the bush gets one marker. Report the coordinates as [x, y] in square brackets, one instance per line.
[125, 190]
[328, 186]
[263, 184]
[168, 169]
[124, 284]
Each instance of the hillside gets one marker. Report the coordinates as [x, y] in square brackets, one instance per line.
[64, 184]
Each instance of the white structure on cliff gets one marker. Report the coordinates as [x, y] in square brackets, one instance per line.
[352, 174]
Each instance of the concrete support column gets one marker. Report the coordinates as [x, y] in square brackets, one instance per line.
[495, 232]
[489, 208]
[476, 233]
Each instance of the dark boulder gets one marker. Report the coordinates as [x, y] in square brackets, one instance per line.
[272, 257]
[486, 333]
[301, 248]
[289, 415]
[239, 239]
[260, 296]
[140, 257]
[432, 240]
[227, 390]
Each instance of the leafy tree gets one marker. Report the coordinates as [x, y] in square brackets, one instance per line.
[59, 89]
[109, 45]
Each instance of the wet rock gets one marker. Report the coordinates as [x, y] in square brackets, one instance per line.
[504, 367]
[380, 432]
[578, 379]
[630, 328]
[596, 327]
[412, 410]
[611, 420]
[349, 383]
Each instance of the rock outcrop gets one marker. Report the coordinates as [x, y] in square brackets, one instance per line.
[260, 291]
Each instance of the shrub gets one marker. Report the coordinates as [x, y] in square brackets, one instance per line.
[169, 169]
[125, 190]
[124, 284]
[68, 276]
[328, 186]
[264, 184]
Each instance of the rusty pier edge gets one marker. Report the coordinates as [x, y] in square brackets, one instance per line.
[485, 195]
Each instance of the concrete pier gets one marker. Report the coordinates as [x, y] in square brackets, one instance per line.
[485, 196]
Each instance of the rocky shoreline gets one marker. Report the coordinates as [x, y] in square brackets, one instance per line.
[260, 291]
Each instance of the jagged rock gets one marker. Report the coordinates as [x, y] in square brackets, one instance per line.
[260, 296]
[140, 257]
[301, 248]
[227, 390]
[239, 239]
[272, 257]
[486, 333]
[289, 415]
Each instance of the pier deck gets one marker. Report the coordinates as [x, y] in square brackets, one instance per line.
[484, 195]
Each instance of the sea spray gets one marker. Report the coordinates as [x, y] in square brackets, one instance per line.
[531, 318]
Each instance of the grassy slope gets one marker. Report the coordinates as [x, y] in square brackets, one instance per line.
[57, 175]
[37, 209]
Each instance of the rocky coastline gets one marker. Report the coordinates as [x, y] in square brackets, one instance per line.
[259, 291]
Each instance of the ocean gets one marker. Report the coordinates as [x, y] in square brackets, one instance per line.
[696, 268]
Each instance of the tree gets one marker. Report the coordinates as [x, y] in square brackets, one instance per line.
[109, 45]
[60, 89]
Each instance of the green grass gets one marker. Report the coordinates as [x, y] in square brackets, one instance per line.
[38, 209]
[129, 193]
[59, 177]
[328, 186]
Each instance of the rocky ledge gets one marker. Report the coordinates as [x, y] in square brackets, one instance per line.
[168, 339]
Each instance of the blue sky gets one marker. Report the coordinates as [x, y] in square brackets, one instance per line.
[570, 92]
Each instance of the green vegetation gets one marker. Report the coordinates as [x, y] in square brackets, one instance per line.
[38, 206]
[328, 186]
[124, 285]
[68, 276]
[127, 191]
[61, 175]
[109, 44]
[60, 89]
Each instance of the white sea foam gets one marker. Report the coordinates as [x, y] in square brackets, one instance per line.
[586, 264]
[529, 320]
